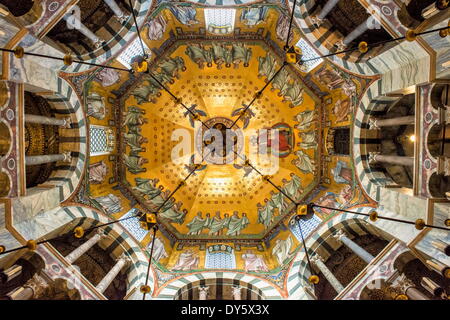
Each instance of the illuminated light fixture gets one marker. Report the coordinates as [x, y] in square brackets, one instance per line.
[78, 232]
[132, 51]
[31, 245]
[220, 21]
[147, 221]
[412, 138]
[293, 55]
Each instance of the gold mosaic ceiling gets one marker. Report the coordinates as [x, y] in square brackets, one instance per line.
[217, 90]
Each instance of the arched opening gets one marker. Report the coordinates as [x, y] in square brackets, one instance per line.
[346, 265]
[5, 185]
[411, 279]
[5, 139]
[40, 139]
[19, 273]
[94, 264]
[389, 143]
[415, 12]
[439, 141]
[338, 141]
[92, 25]
[342, 25]
[60, 289]
[219, 289]
[27, 11]
[439, 185]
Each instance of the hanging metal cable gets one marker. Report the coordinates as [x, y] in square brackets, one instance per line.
[144, 54]
[286, 46]
[258, 95]
[145, 288]
[363, 47]
[68, 60]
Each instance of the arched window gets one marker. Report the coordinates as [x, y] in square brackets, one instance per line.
[132, 225]
[220, 21]
[101, 140]
[220, 256]
[309, 53]
[307, 226]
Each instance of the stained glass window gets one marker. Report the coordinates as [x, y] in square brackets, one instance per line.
[220, 256]
[309, 53]
[220, 21]
[101, 140]
[132, 225]
[132, 51]
[308, 226]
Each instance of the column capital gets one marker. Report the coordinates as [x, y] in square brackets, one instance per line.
[373, 123]
[341, 45]
[316, 257]
[67, 122]
[339, 234]
[37, 284]
[124, 18]
[124, 257]
[101, 233]
[67, 156]
[402, 283]
[373, 157]
[316, 20]
[203, 289]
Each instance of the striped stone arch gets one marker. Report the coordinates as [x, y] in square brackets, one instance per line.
[371, 103]
[170, 289]
[302, 17]
[63, 220]
[117, 41]
[191, 290]
[408, 61]
[325, 40]
[66, 177]
[321, 242]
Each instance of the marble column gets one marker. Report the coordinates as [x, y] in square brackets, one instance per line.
[414, 294]
[31, 118]
[441, 246]
[47, 158]
[324, 12]
[432, 287]
[390, 159]
[318, 261]
[75, 23]
[33, 288]
[439, 267]
[117, 11]
[203, 293]
[360, 252]
[10, 273]
[399, 121]
[78, 252]
[403, 284]
[363, 27]
[236, 292]
[106, 281]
